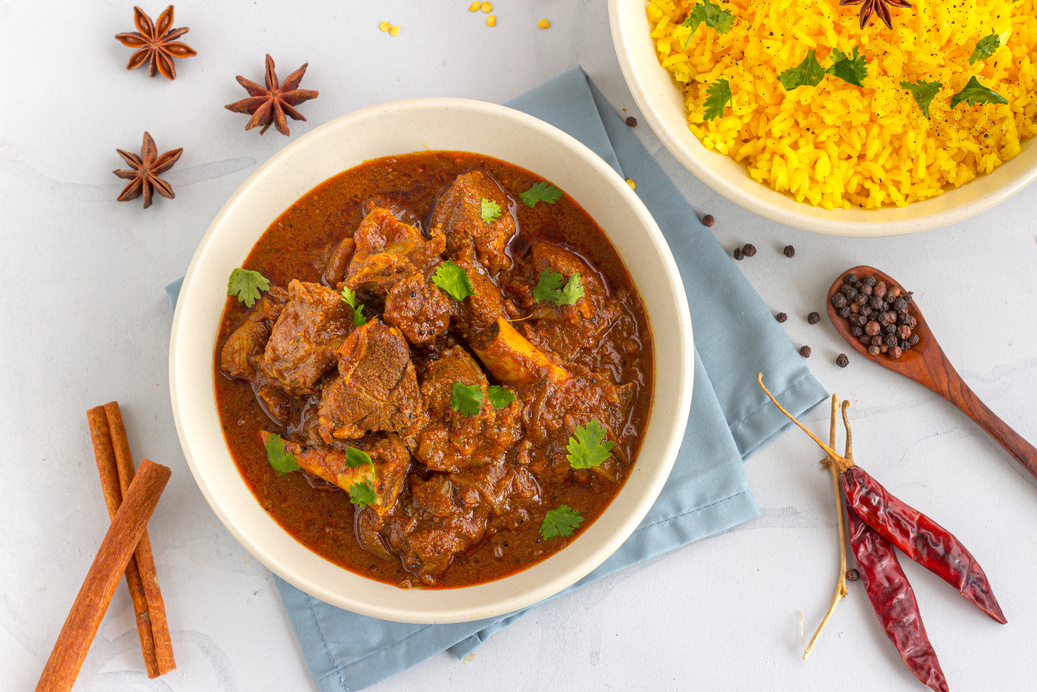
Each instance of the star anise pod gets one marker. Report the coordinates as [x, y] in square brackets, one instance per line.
[269, 106]
[157, 43]
[879, 7]
[146, 171]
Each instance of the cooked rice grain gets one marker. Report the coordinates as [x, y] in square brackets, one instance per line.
[836, 145]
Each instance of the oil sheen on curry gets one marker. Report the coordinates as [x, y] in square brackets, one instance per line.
[448, 376]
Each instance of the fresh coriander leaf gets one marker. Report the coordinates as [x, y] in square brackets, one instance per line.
[349, 296]
[974, 93]
[589, 446]
[560, 522]
[549, 285]
[924, 92]
[985, 47]
[852, 69]
[540, 192]
[720, 19]
[719, 96]
[572, 292]
[363, 493]
[489, 210]
[281, 461]
[466, 398]
[809, 73]
[454, 281]
[499, 396]
[246, 285]
[356, 458]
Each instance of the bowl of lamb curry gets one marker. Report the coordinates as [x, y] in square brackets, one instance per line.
[432, 362]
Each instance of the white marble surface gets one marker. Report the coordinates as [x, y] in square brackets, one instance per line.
[83, 320]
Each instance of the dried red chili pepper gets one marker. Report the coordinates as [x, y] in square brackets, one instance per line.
[920, 538]
[894, 601]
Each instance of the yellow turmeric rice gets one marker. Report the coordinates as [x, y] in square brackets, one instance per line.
[837, 145]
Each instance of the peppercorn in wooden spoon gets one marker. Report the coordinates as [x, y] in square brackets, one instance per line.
[859, 306]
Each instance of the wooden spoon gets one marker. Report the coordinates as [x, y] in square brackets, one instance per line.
[926, 364]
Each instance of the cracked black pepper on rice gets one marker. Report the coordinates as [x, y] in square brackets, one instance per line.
[946, 94]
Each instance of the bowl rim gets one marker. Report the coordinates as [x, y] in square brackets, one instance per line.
[630, 35]
[188, 400]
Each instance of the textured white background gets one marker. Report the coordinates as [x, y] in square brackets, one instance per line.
[83, 320]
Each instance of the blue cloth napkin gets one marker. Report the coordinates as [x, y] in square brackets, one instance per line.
[735, 337]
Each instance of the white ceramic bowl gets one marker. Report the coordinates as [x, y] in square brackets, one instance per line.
[661, 103]
[397, 128]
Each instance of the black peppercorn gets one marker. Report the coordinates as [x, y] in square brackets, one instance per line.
[852, 575]
[900, 304]
[870, 280]
[781, 317]
[789, 251]
[851, 278]
[845, 312]
[913, 339]
[856, 331]
[838, 300]
[851, 293]
[813, 318]
[842, 361]
[708, 220]
[805, 351]
[891, 340]
[738, 253]
[749, 250]
[874, 350]
[631, 121]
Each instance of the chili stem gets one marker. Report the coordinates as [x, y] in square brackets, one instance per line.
[841, 462]
[840, 587]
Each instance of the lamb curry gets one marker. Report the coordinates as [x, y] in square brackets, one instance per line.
[442, 374]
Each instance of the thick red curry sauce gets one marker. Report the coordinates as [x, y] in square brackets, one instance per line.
[618, 356]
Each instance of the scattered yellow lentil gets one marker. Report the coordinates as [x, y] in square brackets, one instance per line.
[395, 30]
[474, 7]
[383, 26]
[491, 20]
[544, 24]
[486, 7]
[632, 184]
[836, 145]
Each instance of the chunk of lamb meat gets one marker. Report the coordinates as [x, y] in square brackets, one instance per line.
[388, 251]
[458, 216]
[245, 344]
[389, 457]
[553, 410]
[437, 523]
[305, 340]
[453, 440]
[376, 387]
[419, 309]
[565, 329]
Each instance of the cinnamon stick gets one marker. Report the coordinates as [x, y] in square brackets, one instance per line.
[150, 609]
[108, 566]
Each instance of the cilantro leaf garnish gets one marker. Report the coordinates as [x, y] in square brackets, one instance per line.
[246, 285]
[985, 47]
[540, 192]
[454, 281]
[499, 396]
[363, 493]
[553, 287]
[809, 73]
[714, 17]
[349, 295]
[719, 96]
[281, 461]
[489, 210]
[852, 69]
[548, 286]
[466, 398]
[588, 447]
[924, 92]
[560, 522]
[974, 93]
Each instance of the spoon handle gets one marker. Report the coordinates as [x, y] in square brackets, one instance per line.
[951, 387]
